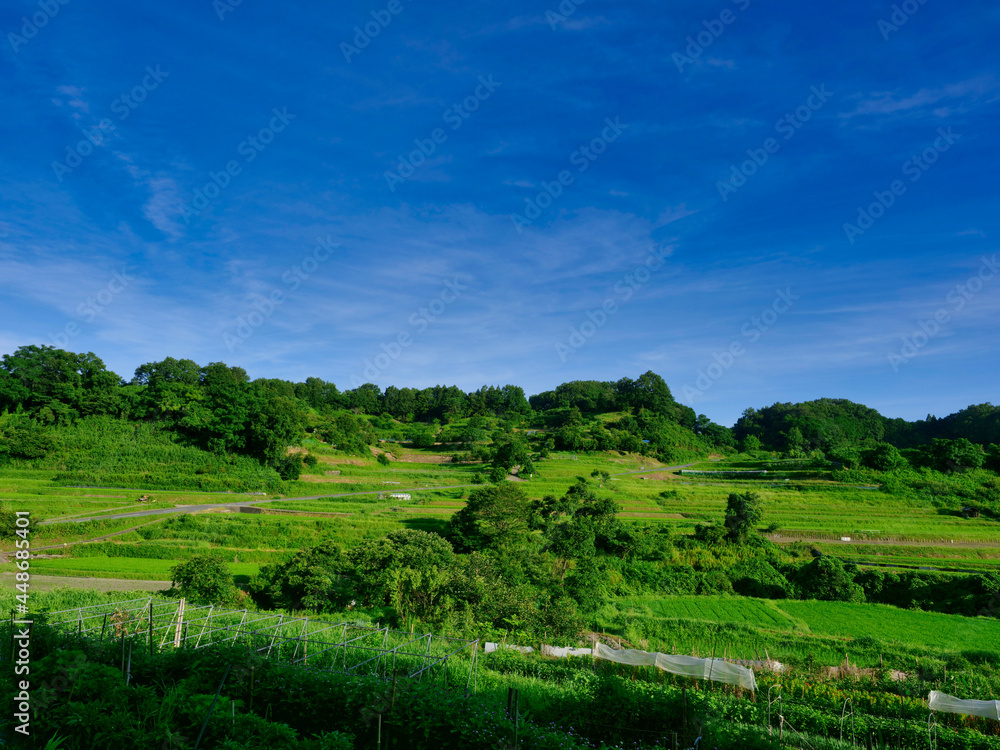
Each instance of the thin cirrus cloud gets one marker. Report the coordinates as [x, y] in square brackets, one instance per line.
[198, 274]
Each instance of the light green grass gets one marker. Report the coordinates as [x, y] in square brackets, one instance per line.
[881, 621]
[890, 624]
[731, 609]
[130, 568]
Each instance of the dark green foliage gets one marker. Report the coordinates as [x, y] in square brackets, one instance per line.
[992, 460]
[58, 386]
[383, 459]
[409, 569]
[824, 424]
[760, 579]
[826, 579]
[510, 451]
[346, 433]
[23, 438]
[423, 439]
[494, 516]
[204, 579]
[9, 527]
[882, 457]
[743, 514]
[949, 456]
[289, 467]
[313, 579]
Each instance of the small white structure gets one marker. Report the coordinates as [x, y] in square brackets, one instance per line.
[845, 538]
[399, 496]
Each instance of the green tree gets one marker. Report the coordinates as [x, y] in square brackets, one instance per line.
[22, 438]
[64, 384]
[204, 579]
[743, 514]
[423, 438]
[510, 452]
[408, 569]
[289, 467]
[751, 445]
[826, 579]
[992, 461]
[951, 456]
[794, 440]
[494, 516]
[603, 476]
[882, 457]
[314, 578]
[569, 541]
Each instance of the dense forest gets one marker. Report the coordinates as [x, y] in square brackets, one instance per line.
[219, 408]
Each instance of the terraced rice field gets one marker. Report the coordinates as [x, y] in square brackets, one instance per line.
[889, 625]
[121, 567]
[757, 612]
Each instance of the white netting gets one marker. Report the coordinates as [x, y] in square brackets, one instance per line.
[771, 665]
[562, 653]
[489, 647]
[716, 670]
[952, 705]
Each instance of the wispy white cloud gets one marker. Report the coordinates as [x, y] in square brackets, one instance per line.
[891, 102]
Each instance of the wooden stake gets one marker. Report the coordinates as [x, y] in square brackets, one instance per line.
[180, 620]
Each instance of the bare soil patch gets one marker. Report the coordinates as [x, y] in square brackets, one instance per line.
[329, 480]
[424, 458]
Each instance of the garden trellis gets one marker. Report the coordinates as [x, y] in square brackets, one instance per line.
[350, 647]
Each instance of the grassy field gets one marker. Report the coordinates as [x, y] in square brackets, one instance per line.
[892, 625]
[888, 625]
[127, 568]
[353, 505]
[760, 613]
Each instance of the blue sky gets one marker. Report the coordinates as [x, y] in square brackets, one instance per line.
[513, 192]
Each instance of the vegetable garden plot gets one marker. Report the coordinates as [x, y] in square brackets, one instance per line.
[343, 646]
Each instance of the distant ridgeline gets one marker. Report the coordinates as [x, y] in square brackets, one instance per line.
[218, 409]
[856, 436]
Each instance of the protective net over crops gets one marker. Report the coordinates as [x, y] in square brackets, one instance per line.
[949, 704]
[716, 670]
